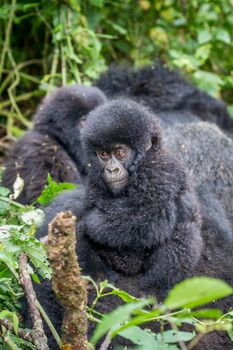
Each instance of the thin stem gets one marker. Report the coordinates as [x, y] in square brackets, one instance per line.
[23, 97]
[24, 334]
[7, 36]
[53, 68]
[49, 323]
[180, 342]
[10, 90]
[18, 67]
[11, 202]
[106, 342]
[63, 67]
[195, 341]
[10, 343]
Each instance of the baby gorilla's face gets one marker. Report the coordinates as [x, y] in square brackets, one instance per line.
[115, 163]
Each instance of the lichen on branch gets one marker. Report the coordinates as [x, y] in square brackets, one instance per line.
[67, 282]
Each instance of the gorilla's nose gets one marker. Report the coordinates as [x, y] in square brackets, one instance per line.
[112, 169]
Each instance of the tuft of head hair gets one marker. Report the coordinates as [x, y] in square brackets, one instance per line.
[120, 121]
[68, 104]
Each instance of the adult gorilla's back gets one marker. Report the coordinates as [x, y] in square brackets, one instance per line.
[208, 154]
[164, 90]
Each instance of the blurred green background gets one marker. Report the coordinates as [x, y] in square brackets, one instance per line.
[44, 44]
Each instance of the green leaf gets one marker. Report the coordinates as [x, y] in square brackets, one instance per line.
[126, 297]
[139, 336]
[53, 189]
[203, 36]
[118, 28]
[230, 110]
[15, 322]
[207, 313]
[203, 53]
[174, 336]
[5, 314]
[33, 217]
[4, 192]
[182, 60]
[97, 3]
[197, 291]
[35, 278]
[208, 82]
[115, 319]
[223, 35]
[159, 346]
[145, 339]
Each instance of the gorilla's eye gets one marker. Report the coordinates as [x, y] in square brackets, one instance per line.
[104, 154]
[120, 153]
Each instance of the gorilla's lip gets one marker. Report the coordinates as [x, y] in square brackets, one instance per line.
[118, 182]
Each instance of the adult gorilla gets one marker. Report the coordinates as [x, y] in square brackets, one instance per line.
[166, 92]
[53, 145]
[140, 223]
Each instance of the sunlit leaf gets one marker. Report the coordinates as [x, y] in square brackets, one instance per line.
[53, 189]
[197, 291]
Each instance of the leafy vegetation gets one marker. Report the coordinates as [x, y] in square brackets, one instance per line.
[53, 189]
[73, 41]
[177, 310]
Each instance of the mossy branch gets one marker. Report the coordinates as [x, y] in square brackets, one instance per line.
[67, 282]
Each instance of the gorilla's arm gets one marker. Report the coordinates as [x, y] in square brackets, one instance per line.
[69, 200]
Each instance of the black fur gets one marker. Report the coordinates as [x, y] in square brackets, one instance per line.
[158, 231]
[164, 90]
[53, 145]
[207, 154]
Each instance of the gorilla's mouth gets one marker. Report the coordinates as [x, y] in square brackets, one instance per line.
[118, 182]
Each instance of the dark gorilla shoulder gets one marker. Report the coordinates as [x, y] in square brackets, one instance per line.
[166, 92]
[53, 145]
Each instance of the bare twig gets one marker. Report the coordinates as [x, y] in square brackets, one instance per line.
[180, 342]
[22, 333]
[38, 335]
[67, 283]
[106, 343]
[195, 341]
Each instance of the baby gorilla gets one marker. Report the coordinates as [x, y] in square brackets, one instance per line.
[139, 220]
[53, 145]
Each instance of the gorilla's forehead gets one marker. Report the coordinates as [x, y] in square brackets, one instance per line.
[119, 121]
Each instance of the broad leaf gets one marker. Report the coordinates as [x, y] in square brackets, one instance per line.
[197, 291]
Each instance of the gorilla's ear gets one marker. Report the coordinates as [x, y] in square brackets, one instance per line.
[156, 134]
[149, 145]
